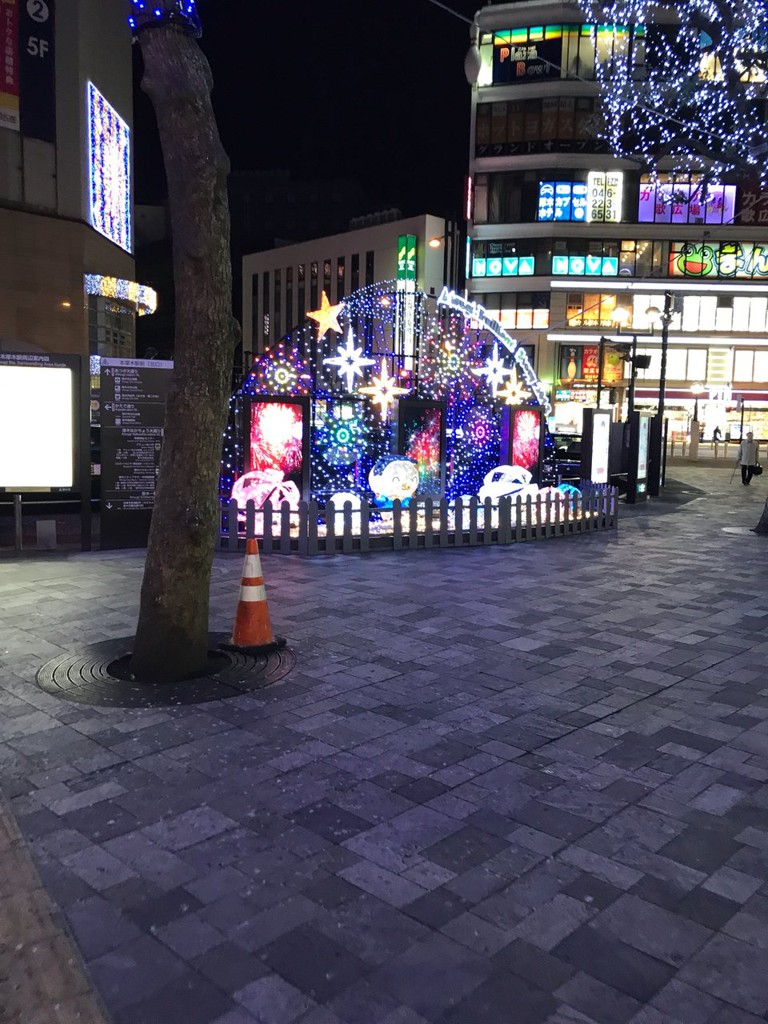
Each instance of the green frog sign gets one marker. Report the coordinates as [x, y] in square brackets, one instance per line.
[719, 259]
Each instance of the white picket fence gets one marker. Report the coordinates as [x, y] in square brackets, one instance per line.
[425, 523]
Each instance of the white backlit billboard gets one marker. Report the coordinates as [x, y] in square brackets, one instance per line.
[36, 427]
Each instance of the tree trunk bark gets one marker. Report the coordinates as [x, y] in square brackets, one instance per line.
[172, 633]
[762, 525]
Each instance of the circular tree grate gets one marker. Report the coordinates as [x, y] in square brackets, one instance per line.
[96, 675]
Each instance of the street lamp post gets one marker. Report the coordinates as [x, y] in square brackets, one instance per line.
[665, 316]
[696, 391]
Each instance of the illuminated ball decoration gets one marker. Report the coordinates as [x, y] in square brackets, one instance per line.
[394, 476]
[691, 92]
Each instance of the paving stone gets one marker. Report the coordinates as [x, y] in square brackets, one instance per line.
[191, 999]
[389, 887]
[273, 999]
[433, 975]
[653, 930]
[313, 963]
[731, 970]
[733, 885]
[599, 1002]
[615, 963]
[491, 1001]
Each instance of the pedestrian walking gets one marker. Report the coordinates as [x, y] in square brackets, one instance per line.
[717, 434]
[747, 458]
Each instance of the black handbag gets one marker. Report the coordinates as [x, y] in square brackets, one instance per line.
[757, 470]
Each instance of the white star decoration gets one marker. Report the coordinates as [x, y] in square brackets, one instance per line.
[349, 361]
[514, 392]
[384, 389]
[494, 370]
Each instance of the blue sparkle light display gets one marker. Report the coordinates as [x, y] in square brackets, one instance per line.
[351, 430]
[109, 160]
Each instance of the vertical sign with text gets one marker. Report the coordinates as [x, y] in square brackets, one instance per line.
[9, 64]
[38, 69]
[133, 394]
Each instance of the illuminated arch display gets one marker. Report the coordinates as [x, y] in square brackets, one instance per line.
[476, 313]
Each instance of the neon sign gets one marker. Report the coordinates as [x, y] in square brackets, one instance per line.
[719, 259]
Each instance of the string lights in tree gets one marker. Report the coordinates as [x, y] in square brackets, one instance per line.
[162, 12]
[684, 81]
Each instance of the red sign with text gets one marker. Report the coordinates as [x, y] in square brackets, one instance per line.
[9, 64]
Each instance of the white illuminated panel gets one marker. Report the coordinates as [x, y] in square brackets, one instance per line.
[605, 190]
[109, 158]
[36, 443]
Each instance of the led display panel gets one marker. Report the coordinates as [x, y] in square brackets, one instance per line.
[422, 438]
[109, 152]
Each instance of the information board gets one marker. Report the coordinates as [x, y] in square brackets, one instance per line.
[133, 395]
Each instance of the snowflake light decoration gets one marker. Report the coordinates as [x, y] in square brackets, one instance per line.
[280, 372]
[349, 361]
[384, 389]
[513, 391]
[494, 370]
[449, 368]
[341, 441]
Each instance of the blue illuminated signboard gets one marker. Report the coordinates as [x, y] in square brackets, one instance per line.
[563, 200]
[503, 266]
[585, 266]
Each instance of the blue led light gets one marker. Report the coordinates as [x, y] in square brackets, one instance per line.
[178, 12]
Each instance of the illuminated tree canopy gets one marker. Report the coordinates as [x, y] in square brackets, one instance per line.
[684, 82]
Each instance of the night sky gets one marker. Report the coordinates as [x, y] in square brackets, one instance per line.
[369, 88]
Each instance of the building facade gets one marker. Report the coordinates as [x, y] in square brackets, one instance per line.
[280, 286]
[569, 245]
[66, 196]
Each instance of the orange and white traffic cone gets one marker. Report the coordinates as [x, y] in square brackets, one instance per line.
[253, 629]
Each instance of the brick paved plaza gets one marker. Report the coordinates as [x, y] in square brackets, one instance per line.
[502, 786]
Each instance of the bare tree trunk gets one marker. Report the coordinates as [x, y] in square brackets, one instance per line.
[172, 634]
[762, 525]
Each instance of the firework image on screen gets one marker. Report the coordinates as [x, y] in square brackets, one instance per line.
[422, 431]
[526, 438]
[276, 455]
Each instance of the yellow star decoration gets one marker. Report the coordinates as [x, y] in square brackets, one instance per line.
[513, 392]
[327, 317]
[384, 389]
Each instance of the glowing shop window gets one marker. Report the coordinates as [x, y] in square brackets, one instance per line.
[742, 364]
[761, 366]
[685, 202]
[109, 154]
[36, 406]
[676, 361]
[697, 364]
